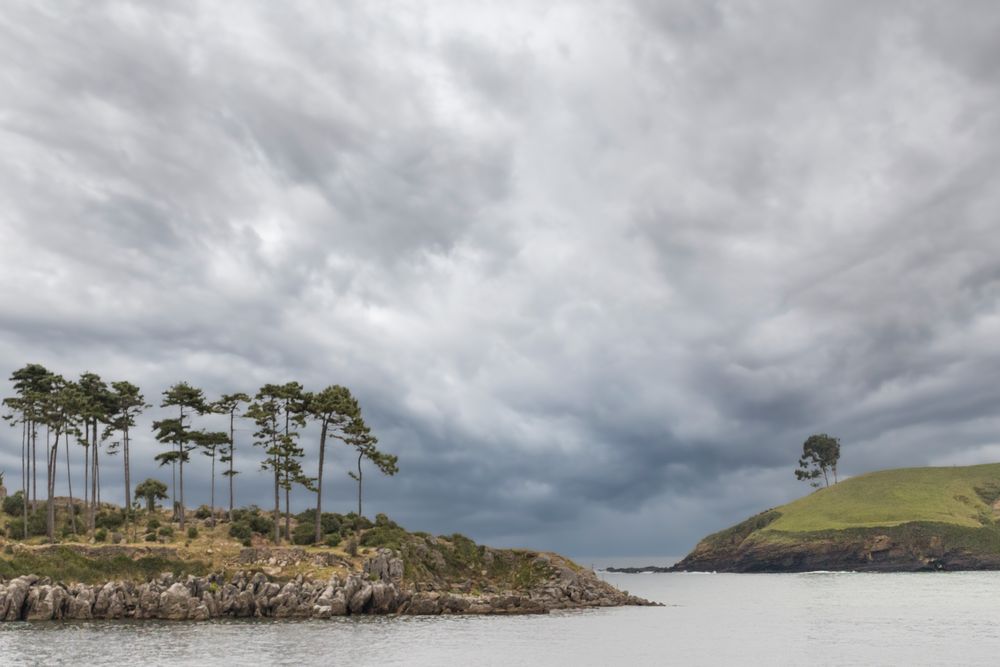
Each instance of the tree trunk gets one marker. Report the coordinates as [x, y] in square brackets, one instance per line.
[70, 509]
[277, 500]
[359, 485]
[25, 438]
[50, 519]
[232, 455]
[319, 482]
[834, 474]
[180, 473]
[128, 472]
[826, 478]
[92, 519]
[212, 506]
[34, 467]
[86, 473]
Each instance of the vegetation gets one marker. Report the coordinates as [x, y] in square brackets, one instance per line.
[892, 497]
[47, 407]
[820, 454]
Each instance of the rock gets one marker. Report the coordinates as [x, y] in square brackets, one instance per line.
[359, 600]
[174, 603]
[17, 594]
[80, 606]
[424, 604]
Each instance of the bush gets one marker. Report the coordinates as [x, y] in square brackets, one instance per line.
[152, 524]
[332, 540]
[150, 537]
[384, 536]
[383, 521]
[241, 531]
[203, 512]
[166, 531]
[14, 505]
[36, 526]
[116, 538]
[329, 521]
[110, 520]
[304, 533]
[356, 522]
[352, 547]
[261, 524]
[192, 533]
[100, 535]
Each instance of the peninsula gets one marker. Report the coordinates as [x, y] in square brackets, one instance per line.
[904, 520]
[365, 568]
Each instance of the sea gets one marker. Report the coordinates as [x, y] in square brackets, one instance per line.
[818, 618]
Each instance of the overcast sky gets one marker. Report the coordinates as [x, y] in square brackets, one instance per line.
[595, 270]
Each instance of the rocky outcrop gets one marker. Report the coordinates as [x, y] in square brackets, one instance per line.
[378, 589]
[912, 547]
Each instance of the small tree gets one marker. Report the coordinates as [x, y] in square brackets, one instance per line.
[820, 454]
[151, 490]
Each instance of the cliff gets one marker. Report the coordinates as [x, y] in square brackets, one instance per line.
[912, 519]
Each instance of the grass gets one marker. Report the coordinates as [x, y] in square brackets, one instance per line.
[66, 564]
[956, 496]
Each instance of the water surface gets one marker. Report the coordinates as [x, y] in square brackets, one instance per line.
[781, 619]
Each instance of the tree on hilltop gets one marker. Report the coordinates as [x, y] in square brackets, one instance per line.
[820, 454]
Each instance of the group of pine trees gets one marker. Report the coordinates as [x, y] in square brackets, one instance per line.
[49, 410]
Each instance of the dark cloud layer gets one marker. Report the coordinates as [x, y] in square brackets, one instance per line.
[595, 270]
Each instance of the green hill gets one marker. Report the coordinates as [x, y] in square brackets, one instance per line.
[905, 519]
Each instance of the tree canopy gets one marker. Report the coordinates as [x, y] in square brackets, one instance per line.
[820, 454]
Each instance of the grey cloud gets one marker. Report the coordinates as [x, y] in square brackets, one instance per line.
[595, 270]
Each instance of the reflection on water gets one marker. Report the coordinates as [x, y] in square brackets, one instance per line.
[836, 618]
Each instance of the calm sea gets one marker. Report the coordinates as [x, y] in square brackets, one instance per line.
[710, 619]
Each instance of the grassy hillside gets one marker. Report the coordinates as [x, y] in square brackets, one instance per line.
[899, 520]
[956, 495]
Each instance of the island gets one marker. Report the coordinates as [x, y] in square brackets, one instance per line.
[903, 520]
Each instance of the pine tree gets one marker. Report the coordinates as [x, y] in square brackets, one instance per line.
[189, 401]
[229, 404]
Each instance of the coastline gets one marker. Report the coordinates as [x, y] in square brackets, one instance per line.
[380, 588]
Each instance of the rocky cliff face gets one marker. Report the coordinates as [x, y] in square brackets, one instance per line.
[912, 547]
[378, 589]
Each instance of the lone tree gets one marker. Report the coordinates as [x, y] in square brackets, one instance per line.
[151, 490]
[820, 454]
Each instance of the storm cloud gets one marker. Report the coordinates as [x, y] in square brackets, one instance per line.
[594, 269]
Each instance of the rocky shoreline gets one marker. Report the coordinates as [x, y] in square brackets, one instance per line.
[379, 589]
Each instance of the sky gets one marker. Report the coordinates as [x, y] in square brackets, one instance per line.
[594, 269]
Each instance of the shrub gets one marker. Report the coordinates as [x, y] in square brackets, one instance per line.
[304, 533]
[383, 521]
[110, 520]
[116, 538]
[152, 524]
[14, 505]
[150, 537]
[36, 526]
[203, 512]
[261, 524]
[192, 533]
[384, 536]
[352, 547]
[356, 522]
[329, 521]
[241, 531]
[166, 531]
[100, 535]
[332, 540]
